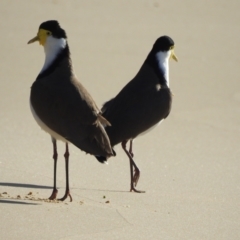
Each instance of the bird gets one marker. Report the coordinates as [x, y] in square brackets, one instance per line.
[62, 106]
[142, 104]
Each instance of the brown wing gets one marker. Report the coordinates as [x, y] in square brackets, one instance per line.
[66, 107]
[138, 106]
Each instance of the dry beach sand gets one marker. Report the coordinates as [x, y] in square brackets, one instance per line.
[189, 164]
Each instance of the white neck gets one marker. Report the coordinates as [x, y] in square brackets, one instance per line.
[52, 47]
[162, 59]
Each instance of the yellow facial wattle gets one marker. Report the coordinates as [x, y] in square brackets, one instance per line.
[41, 37]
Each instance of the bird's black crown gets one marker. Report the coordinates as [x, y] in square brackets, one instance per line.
[163, 43]
[54, 27]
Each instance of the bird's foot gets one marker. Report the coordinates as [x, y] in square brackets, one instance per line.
[54, 194]
[133, 189]
[67, 194]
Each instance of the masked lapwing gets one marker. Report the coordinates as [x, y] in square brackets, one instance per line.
[142, 104]
[62, 106]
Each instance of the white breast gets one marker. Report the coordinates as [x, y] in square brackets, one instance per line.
[150, 129]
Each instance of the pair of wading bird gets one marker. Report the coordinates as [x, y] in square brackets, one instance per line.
[63, 107]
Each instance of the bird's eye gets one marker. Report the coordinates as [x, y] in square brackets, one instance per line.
[48, 33]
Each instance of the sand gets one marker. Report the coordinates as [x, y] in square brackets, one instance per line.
[189, 164]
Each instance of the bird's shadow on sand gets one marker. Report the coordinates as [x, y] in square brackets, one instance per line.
[9, 201]
[23, 185]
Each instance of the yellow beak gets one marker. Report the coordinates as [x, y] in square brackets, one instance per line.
[41, 37]
[173, 56]
[33, 40]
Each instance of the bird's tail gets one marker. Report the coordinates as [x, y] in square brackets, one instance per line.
[103, 159]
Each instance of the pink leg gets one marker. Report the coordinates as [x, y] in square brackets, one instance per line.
[55, 156]
[67, 192]
[133, 168]
[136, 175]
[130, 148]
